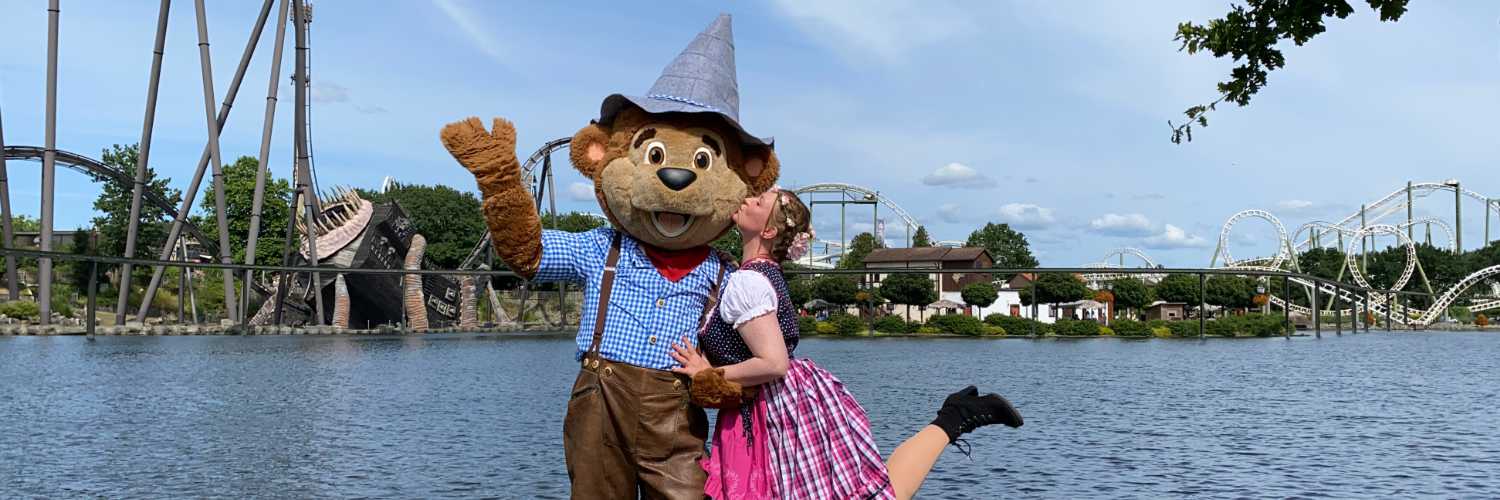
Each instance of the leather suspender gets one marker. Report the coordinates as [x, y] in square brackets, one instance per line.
[607, 283]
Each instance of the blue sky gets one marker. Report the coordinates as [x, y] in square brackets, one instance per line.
[1048, 115]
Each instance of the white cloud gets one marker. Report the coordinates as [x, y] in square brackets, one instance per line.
[1122, 225]
[1294, 205]
[958, 175]
[1174, 237]
[581, 191]
[477, 35]
[950, 213]
[1025, 215]
[885, 31]
[329, 92]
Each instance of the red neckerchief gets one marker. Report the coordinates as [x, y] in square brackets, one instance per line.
[674, 264]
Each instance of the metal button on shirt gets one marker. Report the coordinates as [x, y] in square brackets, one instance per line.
[661, 302]
[651, 339]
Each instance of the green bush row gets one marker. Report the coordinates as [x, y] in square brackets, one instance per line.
[20, 309]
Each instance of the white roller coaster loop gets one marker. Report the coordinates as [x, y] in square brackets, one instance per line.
[1352, 262]
[1120, 254]
[1283, 242]
[1440, 223]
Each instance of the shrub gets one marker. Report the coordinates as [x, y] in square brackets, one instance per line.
[1130, 328]
[848, 324]
[1183, 328]
[1076, 327]
[1265, 325]
[21, 309]
[1104, 330]
[1017, 326]
[1222, 327]
[825, 328]
[807, 324]
[1481, 320]
[960, 324]
[928, 330]
[993, 330]
[891, 324]
[1161, 331]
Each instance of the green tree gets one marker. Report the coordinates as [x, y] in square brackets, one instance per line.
[1250, 36]
[1007, 246]
[450, 219]
[239, 199]
[1230, 292]
[23, 223]
[859, 247]
[1130, 293]
[574, 222]
[910, 289]
[980, 295]
[731, 243]
[1178, 288]
[1056, 288]
[113, 207]
[798, 286]
[78, 271]
[921, 239]
[836, 289]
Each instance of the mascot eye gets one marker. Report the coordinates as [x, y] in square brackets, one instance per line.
[702, 158]
[656, 153]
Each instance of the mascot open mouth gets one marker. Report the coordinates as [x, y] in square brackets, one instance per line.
[671, 224]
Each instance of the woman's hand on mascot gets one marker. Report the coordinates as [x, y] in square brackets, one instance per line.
[479, 150]
[691, 359]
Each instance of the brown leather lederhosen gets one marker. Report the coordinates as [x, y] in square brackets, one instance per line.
[630, 430]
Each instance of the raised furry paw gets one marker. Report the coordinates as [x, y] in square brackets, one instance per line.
[479, 150]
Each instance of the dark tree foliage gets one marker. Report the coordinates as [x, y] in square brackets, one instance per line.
[1130, 293]
[239, 199]
[860, 246]
[1178, 288]
[78, 271]
[1249, 34]
[1232, 292]
[909, 289]
[1056, 288]
[798, 286]
[1007, 246]
[573, 222]
[921, 239]
[979, 295]
[113, 207]
[451, 220]
[836, 289]
[732, 243]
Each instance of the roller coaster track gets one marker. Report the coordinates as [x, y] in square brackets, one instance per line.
[100, 172]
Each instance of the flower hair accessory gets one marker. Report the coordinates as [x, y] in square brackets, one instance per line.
[799, 245]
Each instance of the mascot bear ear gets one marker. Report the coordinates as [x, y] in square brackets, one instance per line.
[588, 150]
[761, 168]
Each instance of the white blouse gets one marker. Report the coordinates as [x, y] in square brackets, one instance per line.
[747, 295]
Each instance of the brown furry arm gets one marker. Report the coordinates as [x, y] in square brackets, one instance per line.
[515, 229]
[711, 390]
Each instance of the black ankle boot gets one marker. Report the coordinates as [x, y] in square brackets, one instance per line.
[966, 410]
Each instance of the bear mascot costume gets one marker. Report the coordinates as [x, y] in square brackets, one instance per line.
[668, 168]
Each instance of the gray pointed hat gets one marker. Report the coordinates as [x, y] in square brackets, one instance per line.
[700, 80]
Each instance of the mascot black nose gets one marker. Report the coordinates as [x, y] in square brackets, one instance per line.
[676, 178]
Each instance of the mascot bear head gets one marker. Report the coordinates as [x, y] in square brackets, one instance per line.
[670, 167]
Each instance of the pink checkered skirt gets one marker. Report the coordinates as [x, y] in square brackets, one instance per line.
[820, 442]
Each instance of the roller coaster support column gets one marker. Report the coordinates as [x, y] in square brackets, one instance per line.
[142, 159]
[1369, 312]
[192, 189]
[1317, 315]
[231, 305]
[92, 306]
[1458, 219]
[1390, 307]
[1202, 306]
[1408, 212]
[1286, 305]
[258, 201]
[1364, 237]
[49, 169]
[304, 164]
[1487, 203]
[5, 222]
[1338, 311]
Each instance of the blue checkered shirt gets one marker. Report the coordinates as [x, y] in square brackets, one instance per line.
[646, 312]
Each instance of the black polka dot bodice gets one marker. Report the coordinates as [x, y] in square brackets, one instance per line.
[724, 346]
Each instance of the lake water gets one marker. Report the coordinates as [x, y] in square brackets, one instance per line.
[1368, 415]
